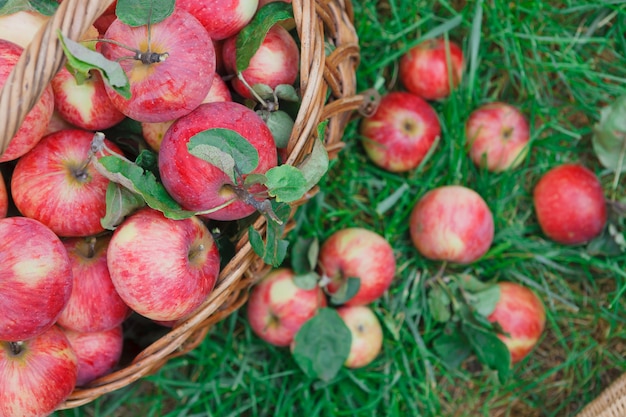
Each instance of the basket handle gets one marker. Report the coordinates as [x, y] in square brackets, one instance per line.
[40, 61]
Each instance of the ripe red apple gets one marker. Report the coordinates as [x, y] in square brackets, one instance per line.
[85, 105]
[174, 72]
[275, 62]
[94, 304]
[359, 253]
[497, 136]
[35, 278]
[98, 353]
[4, 198]
[221, 18]
[277, 308]
[55, 184]
[37, 374]
[401, 132]
[452, 223]
[367, 334]
[570, 205]
[425, 69]
[107, 17]
[36, 121]
[198, 185]
[521, 314]
[161, 278]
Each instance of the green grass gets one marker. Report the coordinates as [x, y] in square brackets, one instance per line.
[559, 64]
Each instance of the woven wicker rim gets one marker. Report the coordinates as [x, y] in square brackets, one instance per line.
[610, 403]
[316, 21]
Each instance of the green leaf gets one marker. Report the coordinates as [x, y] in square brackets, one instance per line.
[439, 304]
[148, 160]
[452, 347]
[287, 92]
[286, 183]
[45, 7]
[304, 254]
[274, 249]
[226, 150]
[256, 241]
[484, 302]
[142, 12]
[314, 165]
[251, 36]
[489, 349]
[306, 281]
[322, 345]
[470, 283]
[346, 291]
[609, 139]
[120, 202]
[264, 91]
[81, 60]
[280, 124]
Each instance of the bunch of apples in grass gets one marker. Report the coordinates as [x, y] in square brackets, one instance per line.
[89, 200]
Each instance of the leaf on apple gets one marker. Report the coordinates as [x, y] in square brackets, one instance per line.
[251, 36]
[120, 202]
[148, 160]
[226, 150]
[81, 60]
[306, 280]
[285, 183]
[143, 12]
[452, 346]
[346, 291]
[304, 254]
[489, 348]
[322, 345]
[609, 139]
[45, 7]
[280, 124]
[286, 92]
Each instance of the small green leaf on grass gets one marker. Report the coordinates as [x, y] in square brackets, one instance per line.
[304, 254]
[120, 202]
[489, 349]
[484, 302]
[439, 304]
[346, 291]
[322, 345]
[142, 12]
[286, 183]
[470, 283]
[452, 347]
[609, 139]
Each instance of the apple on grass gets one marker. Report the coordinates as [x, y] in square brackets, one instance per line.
[35, 278]
[521, 315]
[172, 72]
[277, 307]
[452, 223]
[497, 136]
[401, 132]
[37, 374]
[570, 204]
[357, 253]
[221, 18]
[367, 334]
[56, 184]
[162, 268]
[426, 68]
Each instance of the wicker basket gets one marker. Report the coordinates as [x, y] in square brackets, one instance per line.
[610, 403]
[316, 21]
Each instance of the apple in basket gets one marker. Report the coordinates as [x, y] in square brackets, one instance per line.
[221, 18]
[172, 72]
[4, 197]
[367, 334]
[37, 374]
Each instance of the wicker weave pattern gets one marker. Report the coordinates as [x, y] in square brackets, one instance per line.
[611, 403]
[316, 21]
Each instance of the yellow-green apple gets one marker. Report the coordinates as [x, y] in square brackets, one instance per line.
[275, 62]
[221, 18]
[97, 353]
[35, 278]
[497, 136]
[36, 121]
[160, 278]
[37, 374]
[367, 334]
[55, 184]
[86, 105]
[401, 132]
[4, 198]
[198, 185]
[94, 304]
[277, 307]
[570, 204]
[356, 252]
[172, 72]
[153, 132]
[429, 71]
[521, 315]
[452, 223]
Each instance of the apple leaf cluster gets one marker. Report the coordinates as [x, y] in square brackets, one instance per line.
[45, 7]
[609, 139]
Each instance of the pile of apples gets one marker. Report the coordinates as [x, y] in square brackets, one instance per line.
[68, 282]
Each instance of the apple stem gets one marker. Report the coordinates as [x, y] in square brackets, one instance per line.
[264, 103]
[91, 246]
[15, 347]
[324, 280]
[151, 57]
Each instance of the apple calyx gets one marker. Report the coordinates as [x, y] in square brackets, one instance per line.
[16, 349]
[151, 57]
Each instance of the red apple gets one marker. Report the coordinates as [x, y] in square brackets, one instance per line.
[37, 374]
[427, 71]
[497, 136]
[221, 18]
[98, 353]
[275, 62]
[36, 121]
[35, 278]
[359, 253]
[94, 304]
[57, 123]
[198, 185]
[107, 17]
[367, 334]
[161, 278]
[55, 184]
[570, 205]
[4, 198]
[277, 308]
[452, 223]
[521, 315]
[85, 105]
[174, 72]
[401, 132]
